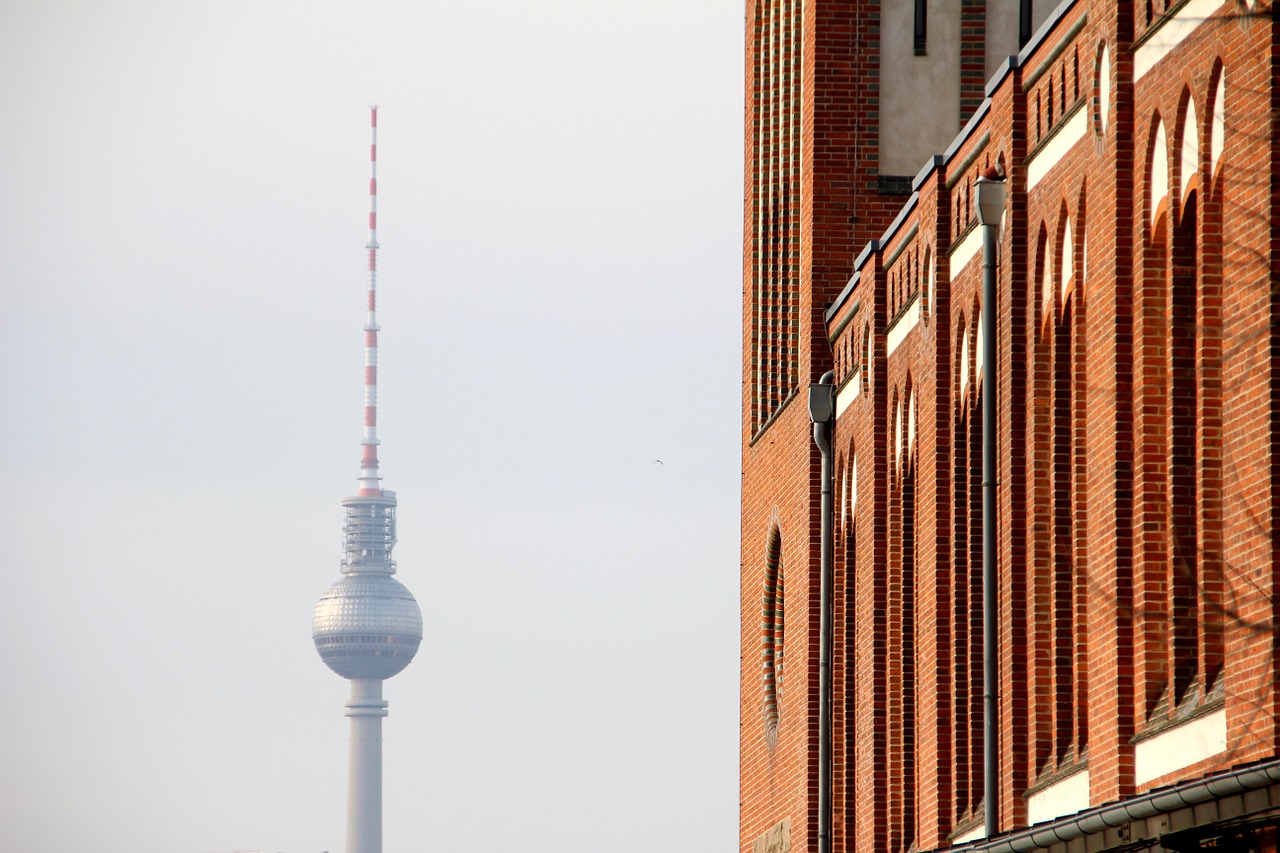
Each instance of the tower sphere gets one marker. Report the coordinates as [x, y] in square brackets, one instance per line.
[367, 625]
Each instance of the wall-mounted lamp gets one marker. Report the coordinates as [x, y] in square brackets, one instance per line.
[990, 198]
[822, 402]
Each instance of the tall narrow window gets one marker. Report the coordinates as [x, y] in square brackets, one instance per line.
[1152, 422]
[1024, 23]
[921, 26]
[960, 747]
[902, 670]
[1040, 650]
[849, 586]
[967, 585]
[1063, 577]
[1153, 600]
[1184, 443]
[1075, 321]
[908, 505]
[1212, 589]
[976, 683]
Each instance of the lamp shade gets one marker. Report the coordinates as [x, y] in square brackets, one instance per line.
[989, 199]
[822, 402]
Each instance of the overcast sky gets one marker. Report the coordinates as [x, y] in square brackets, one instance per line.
[183, 202]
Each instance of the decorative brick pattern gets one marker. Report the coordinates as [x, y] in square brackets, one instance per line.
[774, 159]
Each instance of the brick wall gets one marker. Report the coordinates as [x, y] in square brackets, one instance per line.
[1138, 423]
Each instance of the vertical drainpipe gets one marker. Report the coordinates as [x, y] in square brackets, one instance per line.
[822, 412]
[990, 195]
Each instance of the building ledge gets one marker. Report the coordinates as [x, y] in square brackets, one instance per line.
[1114, 820]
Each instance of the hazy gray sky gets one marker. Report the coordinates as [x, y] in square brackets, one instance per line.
[183, 194]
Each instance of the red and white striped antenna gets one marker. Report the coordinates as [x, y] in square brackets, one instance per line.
[369, 476]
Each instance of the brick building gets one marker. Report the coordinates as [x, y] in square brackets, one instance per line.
[1137, 390]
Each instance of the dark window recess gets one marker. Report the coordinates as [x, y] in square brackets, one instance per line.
[894, 185]
[921, 32]
[1024, 23]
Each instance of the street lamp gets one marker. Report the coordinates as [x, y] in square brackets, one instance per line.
[989, 197]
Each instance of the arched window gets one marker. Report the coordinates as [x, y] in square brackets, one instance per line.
[1189, 151]
[979, 332]
[1183, 382]
[1069, 589]
[1158, 173]
[1218, 127]
[773, 634]
[1102, 91]
[926, 285]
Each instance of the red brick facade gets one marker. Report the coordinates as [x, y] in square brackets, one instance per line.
[1138, 391]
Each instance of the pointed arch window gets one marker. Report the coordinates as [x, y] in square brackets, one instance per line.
[966, 583]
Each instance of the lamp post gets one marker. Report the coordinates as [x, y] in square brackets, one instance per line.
[822, 410]
[989, 199]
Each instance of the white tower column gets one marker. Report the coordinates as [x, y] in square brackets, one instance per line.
[366, 708]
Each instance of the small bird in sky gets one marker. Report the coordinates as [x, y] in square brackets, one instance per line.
[660, 462]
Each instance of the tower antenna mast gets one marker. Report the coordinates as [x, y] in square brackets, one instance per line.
[369, 476]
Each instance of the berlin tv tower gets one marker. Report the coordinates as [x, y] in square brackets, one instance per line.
[367, 626]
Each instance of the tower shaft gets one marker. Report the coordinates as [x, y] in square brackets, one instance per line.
[366, 708]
